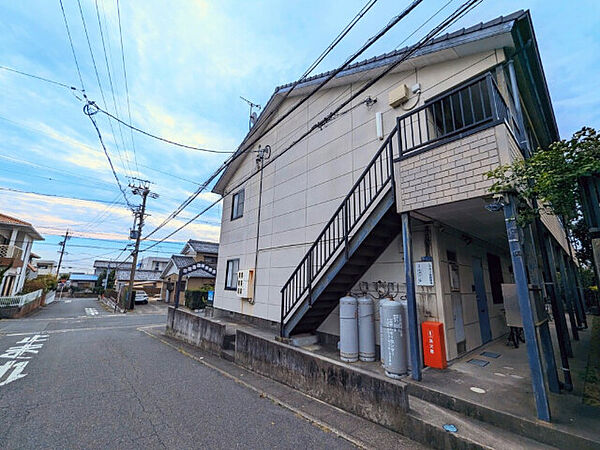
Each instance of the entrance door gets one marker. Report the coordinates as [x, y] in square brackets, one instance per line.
[482, 304]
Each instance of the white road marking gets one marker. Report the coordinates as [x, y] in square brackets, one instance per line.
[29, 345]
[91, 311]
[68, 301]
[478, 390]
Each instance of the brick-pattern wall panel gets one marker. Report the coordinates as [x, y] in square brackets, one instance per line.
[448, 173]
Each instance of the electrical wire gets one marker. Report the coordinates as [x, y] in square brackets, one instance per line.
[56, 195]
[168, 141]
[110, 81]
[332, 75]
[90, 113]
[126, 84]
[72, 46]
[37, 77]
[456, 15]
[87, 36]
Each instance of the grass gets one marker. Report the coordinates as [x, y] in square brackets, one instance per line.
[591, 389]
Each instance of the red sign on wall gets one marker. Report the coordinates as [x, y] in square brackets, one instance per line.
[434, 348]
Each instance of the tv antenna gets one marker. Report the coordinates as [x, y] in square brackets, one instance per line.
[253, 116]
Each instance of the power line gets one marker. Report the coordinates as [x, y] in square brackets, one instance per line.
[110, 81]
[168, 141]
[456, 15]
[329, 48]
[72, 46]
[98, 79]
[126, 84]
[37, 77]
[90, 113]
[55, 195]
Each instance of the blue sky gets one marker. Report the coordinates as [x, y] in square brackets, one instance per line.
[187, 64]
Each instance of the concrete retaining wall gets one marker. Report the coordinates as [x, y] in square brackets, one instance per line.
[16, 312]
[364, 394]
[200, 331]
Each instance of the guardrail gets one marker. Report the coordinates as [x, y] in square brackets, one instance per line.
[20, 300]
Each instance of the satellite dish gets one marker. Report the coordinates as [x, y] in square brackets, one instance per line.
[253, 118]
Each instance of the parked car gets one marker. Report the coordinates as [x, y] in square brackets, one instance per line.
[140, 297]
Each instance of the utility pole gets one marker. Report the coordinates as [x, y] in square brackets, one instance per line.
[140, 189]
[62, 252]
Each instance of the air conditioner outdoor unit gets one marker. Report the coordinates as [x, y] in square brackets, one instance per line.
[245, 284]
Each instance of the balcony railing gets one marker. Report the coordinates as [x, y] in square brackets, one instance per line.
[467, 108]
[11, 252]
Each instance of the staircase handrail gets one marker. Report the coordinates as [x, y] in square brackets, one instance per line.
[305, 269]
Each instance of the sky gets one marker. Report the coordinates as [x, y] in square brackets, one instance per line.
[187, 64]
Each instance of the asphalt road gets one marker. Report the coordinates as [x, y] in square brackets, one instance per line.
[94, 379]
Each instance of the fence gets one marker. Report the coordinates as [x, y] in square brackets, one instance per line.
[19, 300]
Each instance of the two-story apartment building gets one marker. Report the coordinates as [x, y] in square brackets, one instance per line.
[16, 241]
[401, 173]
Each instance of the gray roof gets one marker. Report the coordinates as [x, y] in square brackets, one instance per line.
[200, 273]
[204, 246]
[140, 275]
[103, 264]
[491, 29]
[182, 260]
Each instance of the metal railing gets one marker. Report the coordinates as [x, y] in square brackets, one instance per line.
[375, 179]
[11, 251]
[20, 300]
[470, 106]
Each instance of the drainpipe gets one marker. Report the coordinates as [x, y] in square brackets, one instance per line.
[413, 323]
[517, 101]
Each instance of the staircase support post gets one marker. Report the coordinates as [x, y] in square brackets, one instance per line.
[413, 323]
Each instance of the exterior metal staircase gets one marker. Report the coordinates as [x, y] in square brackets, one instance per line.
[358, 232]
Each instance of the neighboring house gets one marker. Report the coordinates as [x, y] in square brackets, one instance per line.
[202, 251]
[32, 271]
[196, 279]
[330, 206]
[16, 240]
[101, 265]
[154, 263]
[144, 279]
[82, 281]
[45, 267]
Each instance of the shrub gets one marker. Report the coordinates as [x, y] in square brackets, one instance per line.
[196, 299]
[44, 282]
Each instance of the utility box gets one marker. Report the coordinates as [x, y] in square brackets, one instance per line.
[512, 308]
[434, 347]
[398, 96]
[245, 283]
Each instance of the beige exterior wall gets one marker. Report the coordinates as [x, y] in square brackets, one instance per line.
[302, 188]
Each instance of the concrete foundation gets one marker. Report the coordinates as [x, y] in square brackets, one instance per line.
[375, 398]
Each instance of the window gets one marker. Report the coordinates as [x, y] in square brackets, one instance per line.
[237, 205]
[233, 265]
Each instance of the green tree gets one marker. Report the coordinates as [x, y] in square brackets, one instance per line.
[549, 179]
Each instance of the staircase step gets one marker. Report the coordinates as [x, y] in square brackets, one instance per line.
[428, 421]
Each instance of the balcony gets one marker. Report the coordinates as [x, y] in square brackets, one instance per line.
[462, 111]
[11, 255]
[446, 147]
